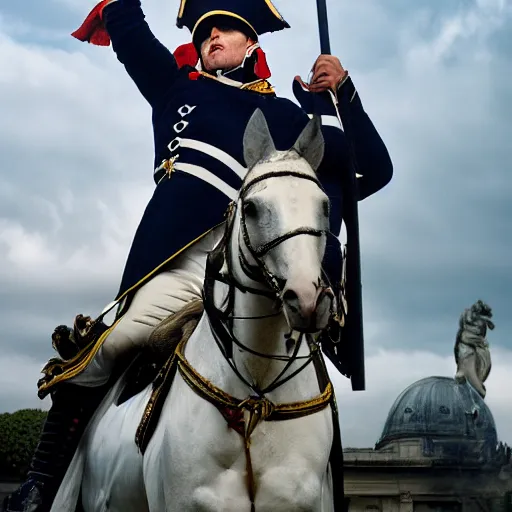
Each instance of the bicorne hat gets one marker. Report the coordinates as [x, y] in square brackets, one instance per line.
[253, 17]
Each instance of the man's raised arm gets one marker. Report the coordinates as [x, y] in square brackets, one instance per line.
[148, 62]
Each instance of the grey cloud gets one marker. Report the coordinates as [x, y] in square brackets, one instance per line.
[18, 377]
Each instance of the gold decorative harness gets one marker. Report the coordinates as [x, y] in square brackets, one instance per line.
[259, 408]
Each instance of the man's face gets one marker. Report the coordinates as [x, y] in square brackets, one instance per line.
[224, 49]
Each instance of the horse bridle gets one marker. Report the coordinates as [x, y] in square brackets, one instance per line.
[259, 273]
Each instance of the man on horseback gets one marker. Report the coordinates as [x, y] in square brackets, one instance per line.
[221, 76]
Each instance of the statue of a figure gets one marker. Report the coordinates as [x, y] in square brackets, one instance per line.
[472, 348]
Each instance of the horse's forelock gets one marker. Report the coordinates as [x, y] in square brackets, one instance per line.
[277, 162]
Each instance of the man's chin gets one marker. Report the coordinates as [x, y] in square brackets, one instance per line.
[217, 65]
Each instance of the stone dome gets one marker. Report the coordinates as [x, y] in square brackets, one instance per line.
[451, 419]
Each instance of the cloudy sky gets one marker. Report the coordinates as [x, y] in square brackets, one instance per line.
[76, 174]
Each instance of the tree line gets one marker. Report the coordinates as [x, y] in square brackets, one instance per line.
[19, 435]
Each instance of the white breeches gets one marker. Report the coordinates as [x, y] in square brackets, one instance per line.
[166, 293]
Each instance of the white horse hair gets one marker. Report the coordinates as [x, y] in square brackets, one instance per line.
[194, 462]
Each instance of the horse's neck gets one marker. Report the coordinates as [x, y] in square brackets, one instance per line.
[265, 336]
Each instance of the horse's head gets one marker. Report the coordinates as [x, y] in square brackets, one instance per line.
[280, 224]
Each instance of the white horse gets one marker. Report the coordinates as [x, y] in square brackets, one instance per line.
[272, 266]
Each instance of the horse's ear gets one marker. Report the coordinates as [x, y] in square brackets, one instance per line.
[310, 144]
[258, 142]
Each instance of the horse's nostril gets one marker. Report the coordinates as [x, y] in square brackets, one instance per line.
[289, 296]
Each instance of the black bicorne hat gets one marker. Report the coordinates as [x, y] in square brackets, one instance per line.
[253, 17]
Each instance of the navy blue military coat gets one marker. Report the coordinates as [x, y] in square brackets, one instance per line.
[203, 121]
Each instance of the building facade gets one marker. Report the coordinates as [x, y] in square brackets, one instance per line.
[438, 452]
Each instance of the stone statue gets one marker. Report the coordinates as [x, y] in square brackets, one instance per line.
[472, 348]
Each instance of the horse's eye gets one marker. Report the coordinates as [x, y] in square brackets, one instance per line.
[250, 209]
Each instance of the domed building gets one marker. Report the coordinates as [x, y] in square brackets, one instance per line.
[442, 420]
[439, 449]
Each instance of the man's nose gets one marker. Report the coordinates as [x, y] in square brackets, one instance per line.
[215, 33]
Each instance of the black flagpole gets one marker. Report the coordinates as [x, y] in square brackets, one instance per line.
[353, 330]
[323, 24]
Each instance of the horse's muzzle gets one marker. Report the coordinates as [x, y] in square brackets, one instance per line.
[307, 308]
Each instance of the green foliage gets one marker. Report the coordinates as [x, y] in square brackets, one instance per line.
[19, 435]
